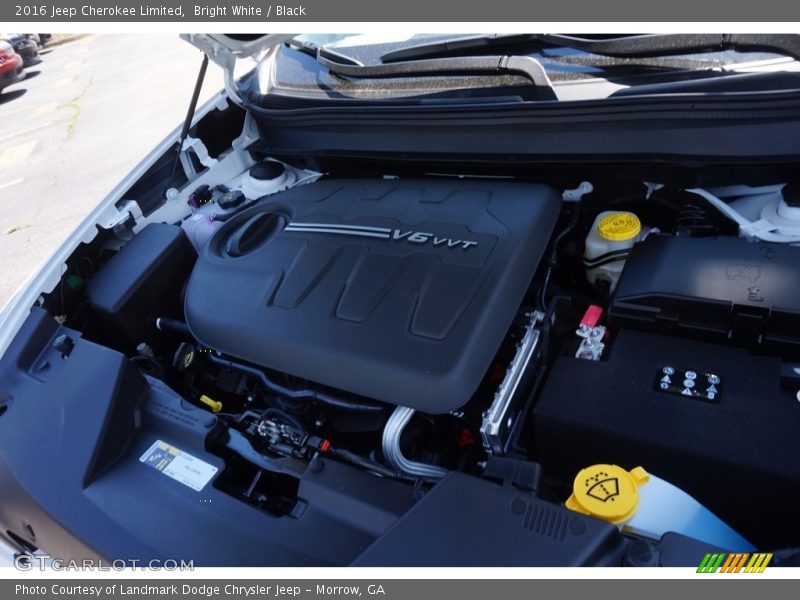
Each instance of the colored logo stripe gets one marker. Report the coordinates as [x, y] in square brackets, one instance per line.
[734, 562]
[758, 563]
[710, 563]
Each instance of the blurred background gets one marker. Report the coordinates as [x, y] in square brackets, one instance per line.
[77, 113]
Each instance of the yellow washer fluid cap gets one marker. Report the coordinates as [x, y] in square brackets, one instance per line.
[607, 492]
[619, 226]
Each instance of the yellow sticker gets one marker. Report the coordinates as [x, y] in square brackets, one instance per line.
[179, 465]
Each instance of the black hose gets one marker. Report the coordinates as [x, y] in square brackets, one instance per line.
[329, 399]
[365, 463]
[553, 258]
[346, 403]
[173, 325]
[608, 257]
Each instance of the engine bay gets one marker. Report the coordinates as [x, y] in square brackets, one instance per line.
[378, 359]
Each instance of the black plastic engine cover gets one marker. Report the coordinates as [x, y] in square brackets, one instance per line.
[398, 290]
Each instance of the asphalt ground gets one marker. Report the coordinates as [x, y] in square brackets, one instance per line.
[78, 123]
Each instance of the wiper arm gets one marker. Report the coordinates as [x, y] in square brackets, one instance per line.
[316, 51]
[629, 46]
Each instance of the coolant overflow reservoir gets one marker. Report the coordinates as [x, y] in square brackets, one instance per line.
[647, 506]
[610, 239]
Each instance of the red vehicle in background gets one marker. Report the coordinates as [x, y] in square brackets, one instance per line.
[10, 66]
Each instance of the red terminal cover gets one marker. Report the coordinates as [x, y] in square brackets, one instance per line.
[592, 316]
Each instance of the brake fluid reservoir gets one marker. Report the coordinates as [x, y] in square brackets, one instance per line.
[647, 506]
[608, 243]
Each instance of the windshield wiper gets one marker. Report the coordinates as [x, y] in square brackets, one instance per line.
[316, 51]
[622, 47]
[345, 66]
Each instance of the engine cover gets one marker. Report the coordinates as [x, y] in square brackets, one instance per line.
[397, 290]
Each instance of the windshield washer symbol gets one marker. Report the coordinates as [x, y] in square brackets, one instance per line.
[602, 487]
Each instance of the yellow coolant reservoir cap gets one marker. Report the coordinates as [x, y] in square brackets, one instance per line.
[607, 492]
[619, 226]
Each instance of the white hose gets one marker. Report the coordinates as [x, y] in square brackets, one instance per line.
[394, 455]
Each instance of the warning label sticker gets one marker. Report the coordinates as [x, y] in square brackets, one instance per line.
[689, 383]
[177, 464]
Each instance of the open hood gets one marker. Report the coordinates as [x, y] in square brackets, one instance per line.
[226, 49]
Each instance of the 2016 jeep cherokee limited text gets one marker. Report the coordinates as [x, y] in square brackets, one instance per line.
[502, 300]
